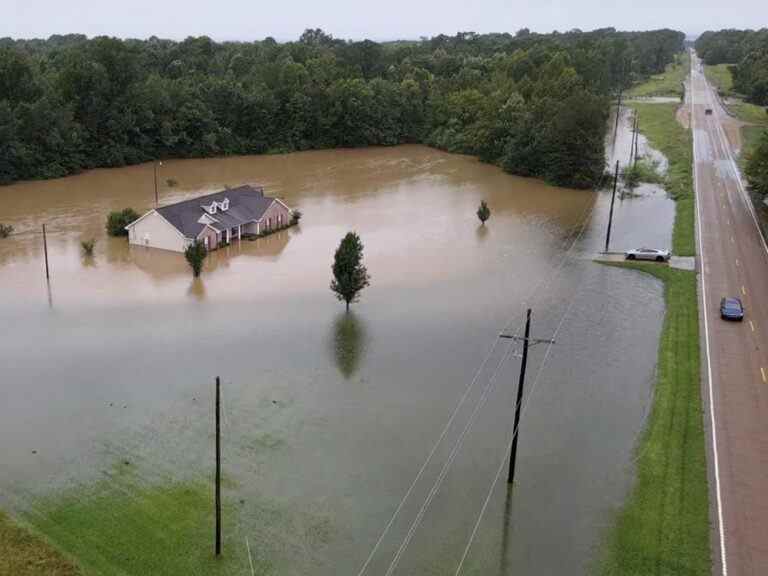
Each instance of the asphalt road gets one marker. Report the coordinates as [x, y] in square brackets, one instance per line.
[734, 262]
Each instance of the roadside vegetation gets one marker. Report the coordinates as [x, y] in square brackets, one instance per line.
[747, 51]
[749, 79]
[667, 136]
[663, 528]
[535, 104]
[668, 83]
[719, 75]
[24, 553]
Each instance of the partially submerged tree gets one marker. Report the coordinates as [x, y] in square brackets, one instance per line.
[118, 220]
[195, 255]
[483, 212]
[296, 216]
[350, 276]
[5, 230]
[87, 246]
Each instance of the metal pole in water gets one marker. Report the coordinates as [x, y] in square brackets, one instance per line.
[520, 383]
[45, 251]
[613, 200]
[218, 467]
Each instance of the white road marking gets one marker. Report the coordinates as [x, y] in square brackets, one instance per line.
[751, 325]
[716, 462]
[762, 372]
[743, 291]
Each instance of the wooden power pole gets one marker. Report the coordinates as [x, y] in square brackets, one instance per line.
[218, 467]
[527, 342]
[45, 252]
[613, 201]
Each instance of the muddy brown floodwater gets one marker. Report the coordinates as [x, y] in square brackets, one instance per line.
[329, 416]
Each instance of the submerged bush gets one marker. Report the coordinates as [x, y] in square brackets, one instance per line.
[87, 246]
[118, 220]
[296, 216]
[5, 230]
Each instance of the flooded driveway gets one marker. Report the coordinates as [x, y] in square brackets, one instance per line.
[329, 417]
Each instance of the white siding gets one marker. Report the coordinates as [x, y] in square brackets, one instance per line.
[154, 231]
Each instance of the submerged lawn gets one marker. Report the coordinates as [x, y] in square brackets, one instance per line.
[665, 134]
[23, 553]
[663, 527]
[121, 527]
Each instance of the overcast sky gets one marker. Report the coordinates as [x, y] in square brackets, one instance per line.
[379, 20]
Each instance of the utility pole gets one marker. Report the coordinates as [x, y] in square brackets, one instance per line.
[157, 199]
[45, 251]
[613, 200]
[637, 135]
[527, 341]
[218, 468]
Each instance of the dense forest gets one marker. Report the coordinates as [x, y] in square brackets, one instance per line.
[535, 104]
[747, 51]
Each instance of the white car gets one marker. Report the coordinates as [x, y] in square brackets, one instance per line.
[648, 254]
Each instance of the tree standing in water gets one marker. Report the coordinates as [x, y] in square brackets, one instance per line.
[349, 274]
[483, 212]
[195, 255]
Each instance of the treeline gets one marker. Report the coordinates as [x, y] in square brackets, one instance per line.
[534, 104]
[747, 51]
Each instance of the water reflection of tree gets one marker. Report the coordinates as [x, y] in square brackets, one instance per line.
[481, 233]
[349, 340]
[197, 289]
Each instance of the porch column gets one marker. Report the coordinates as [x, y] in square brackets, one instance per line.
[239, 232]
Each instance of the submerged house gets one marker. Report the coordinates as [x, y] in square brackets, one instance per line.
[214, 219]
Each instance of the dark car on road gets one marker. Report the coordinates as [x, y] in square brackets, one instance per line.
[731, 309]
[708, 111]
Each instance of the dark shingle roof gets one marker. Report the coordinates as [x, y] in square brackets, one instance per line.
[246, 204]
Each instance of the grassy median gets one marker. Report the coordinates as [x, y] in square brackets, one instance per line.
[665, 134]
[663, 528]
[23, 553]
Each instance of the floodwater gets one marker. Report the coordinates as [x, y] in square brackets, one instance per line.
[329, 417]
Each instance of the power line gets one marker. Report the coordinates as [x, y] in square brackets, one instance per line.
[540, 287]
[514, 435]
[438, 482]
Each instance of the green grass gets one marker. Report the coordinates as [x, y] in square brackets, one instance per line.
[658, 124]
[121, 527]
[750, 113]
[24, 553]
[720, 76]
[669, 83]
[663, 528]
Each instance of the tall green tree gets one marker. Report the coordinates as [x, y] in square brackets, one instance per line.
[350, 276]
[195, 255]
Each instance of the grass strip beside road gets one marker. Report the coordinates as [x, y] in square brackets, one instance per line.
[665, 134]
[23, 553]
[720, 76]
[668, 83]
[663, 528]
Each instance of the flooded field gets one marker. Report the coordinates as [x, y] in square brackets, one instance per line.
[107, 372]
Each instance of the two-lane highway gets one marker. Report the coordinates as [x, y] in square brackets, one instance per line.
[734, 262]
